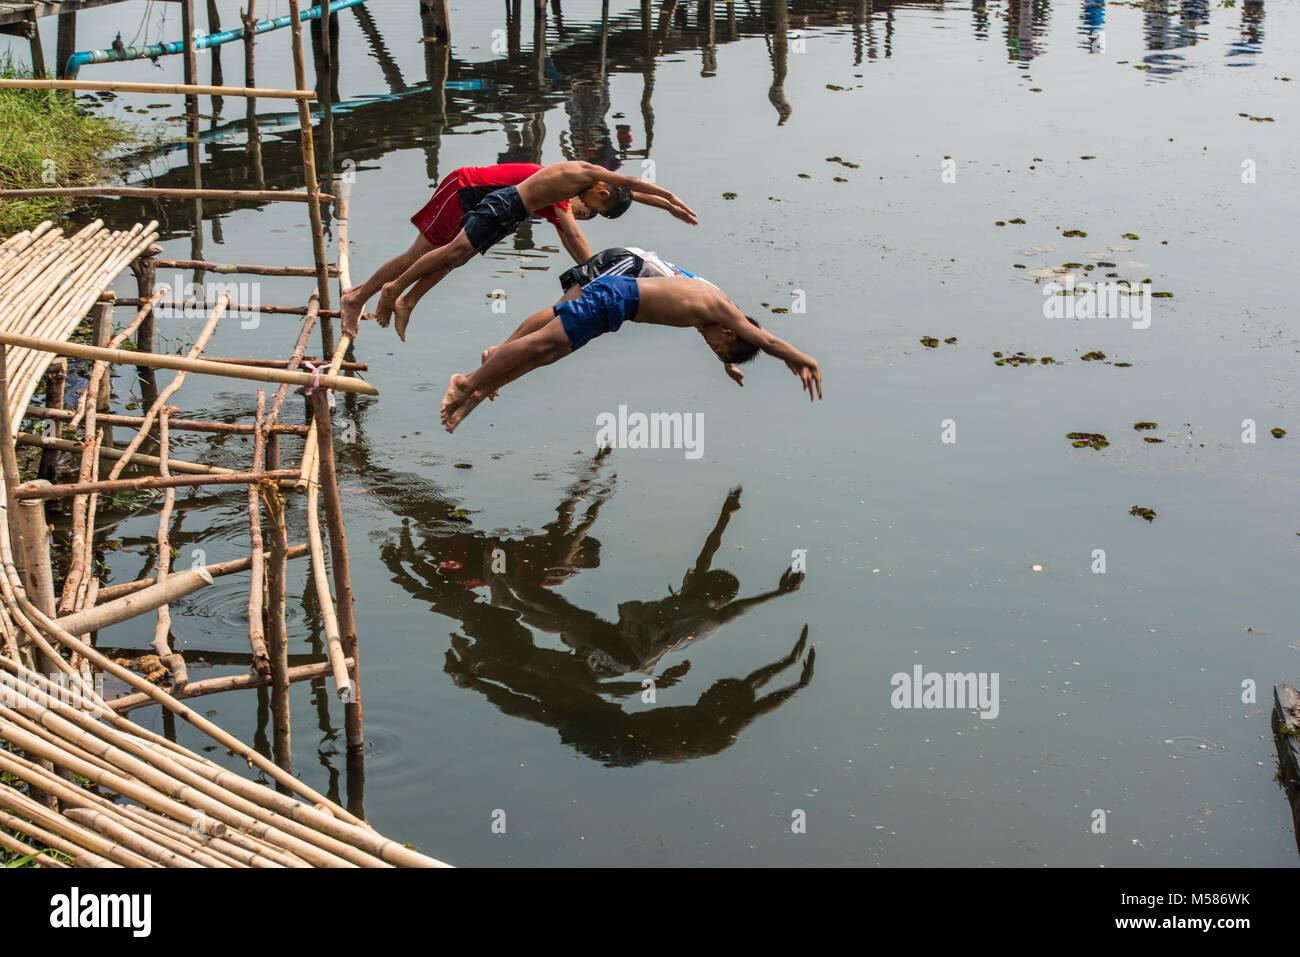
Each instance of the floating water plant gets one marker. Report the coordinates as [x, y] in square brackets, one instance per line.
[1090, 356]
[1277, 433]
[729, 196]
[1088, 440]
[1017, 221]
[1146, 425]
[951, 340]
[1074, 233]
[1132, 236]
[930, 342]
[1141, 511]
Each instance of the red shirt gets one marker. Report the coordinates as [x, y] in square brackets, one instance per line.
[507, 174]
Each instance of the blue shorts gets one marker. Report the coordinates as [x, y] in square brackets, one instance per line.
[497, 215]
[605, 304]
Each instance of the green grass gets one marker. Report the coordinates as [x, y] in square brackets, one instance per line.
[47, 139]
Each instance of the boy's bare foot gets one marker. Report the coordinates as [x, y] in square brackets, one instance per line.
[401, 316]
[387, 299]
[457, 391]
[350, 305]
[466, 406]
[487, 354]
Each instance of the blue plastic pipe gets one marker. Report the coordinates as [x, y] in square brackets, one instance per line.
[77, 60]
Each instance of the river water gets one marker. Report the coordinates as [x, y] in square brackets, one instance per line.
[510, 611]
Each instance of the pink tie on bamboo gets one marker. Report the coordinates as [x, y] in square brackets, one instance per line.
[315, 382]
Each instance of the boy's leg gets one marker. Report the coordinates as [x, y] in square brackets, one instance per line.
[439, 261]
[509, 362]
[354, 298]
[405, 304]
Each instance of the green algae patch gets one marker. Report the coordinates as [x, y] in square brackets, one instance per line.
[1277, 433]
[1141, 511]
[1091, 356]
[1074, 233]
[1146, 425]
[1132, 236]
[728, 195]
[930, 342]
[951, 340]
[1087, 440]
[1151, 439]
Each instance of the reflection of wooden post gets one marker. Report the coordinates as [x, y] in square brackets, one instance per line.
[709, 60]
[55, 379]
[67, 42]
[514, 15]
[145, 268]
[539, 40]
[101, 330]
[192, 127]
[214, 26]
[780, 48]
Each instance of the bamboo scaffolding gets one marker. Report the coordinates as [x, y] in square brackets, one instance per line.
[136, 458]
[241, 307]
[181, 89]
[244, 268]
[158, 361]
[111, 592]
[196, 689]
[31, 491]
[170, 657]
[178, 425]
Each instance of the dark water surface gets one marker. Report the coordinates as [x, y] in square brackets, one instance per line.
[521, 692]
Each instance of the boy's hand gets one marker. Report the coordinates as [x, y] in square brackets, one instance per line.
[735, 374]
[682, 211]
[810, 373]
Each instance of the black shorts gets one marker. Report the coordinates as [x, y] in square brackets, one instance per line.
[497, 215]
[607, 262]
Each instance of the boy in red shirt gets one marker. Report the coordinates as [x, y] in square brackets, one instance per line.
[476, 207]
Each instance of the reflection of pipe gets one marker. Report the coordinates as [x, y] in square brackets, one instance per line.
[77, 60]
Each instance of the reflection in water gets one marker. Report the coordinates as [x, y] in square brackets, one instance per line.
[575, 689]
[1093, 26]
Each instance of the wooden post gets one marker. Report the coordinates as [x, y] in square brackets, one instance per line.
[192, 127]
[256, 632]
[38, 54]
[277, 637]
[339, 557]
[539, 40]
[67, 42]
[55, 380]
[514, 19]
[33, 547]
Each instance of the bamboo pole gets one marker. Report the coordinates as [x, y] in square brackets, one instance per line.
[180, 89]
[168, 589]
[177, 425]
[172, 659]
[158, 361]
[245, 268]
[158, 192]
[342, 574]
[277, 632]
[31, 491]
[256, 635]
[242, 307]
[112, 592]
[80, 856]
[312, 182]
[137, 458]
[196, 689]
[333, 642]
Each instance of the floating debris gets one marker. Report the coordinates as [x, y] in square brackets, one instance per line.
[1090, 356]
[805, 176]
[1074, 233]
[1147, 438]
[780, 309]
[1146, 425]
[1141, 511]
[1162, 295]
[1018, 221]
[1087, 157]
[1121, 365]
[728, 195]
[1089, 440]
[463, 465]
[844, 162]
[1133, 236]
[951, 340]
[999, 223]
[839, 179]
[930, 342]
[1277, 433]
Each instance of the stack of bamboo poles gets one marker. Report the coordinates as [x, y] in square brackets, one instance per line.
[173, 807]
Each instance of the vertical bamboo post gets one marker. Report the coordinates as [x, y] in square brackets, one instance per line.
[192, 126]
[313, 185]
[33, 543]
[339, 557]
[256, 636]
[55, 380]
[277, 637]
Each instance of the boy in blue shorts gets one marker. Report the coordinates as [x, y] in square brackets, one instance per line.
[603, 306]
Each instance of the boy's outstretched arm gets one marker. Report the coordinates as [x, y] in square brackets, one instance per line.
[644, 191]
[571, 237]
[804, 366]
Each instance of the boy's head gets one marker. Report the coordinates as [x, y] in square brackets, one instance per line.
[727, 346]
[609, 201]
